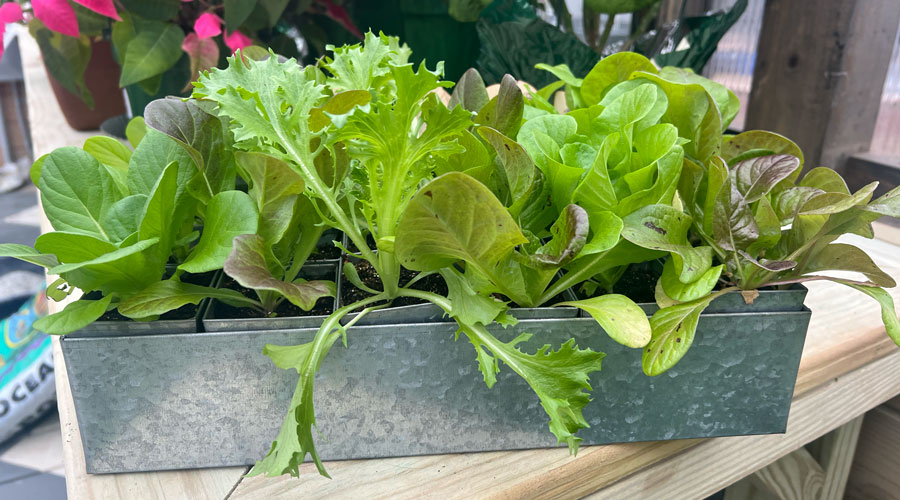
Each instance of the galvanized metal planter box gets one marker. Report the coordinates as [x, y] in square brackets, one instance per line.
[175, 401]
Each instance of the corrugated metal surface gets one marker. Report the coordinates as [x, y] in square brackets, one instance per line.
[887, 129]
[732, 64]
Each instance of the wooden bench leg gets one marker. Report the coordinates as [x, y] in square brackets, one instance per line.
[802, 474]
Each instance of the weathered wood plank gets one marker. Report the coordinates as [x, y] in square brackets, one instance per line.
[874, 474]
[828, 70]
[716, 463]
[795, 476]
[836, 458]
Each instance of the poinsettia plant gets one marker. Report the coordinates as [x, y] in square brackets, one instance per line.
[150, 38]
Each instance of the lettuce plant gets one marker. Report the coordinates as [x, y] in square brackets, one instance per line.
[284, 232]
[767, 226]
[368, 100]
[121, 216]
[741, 197]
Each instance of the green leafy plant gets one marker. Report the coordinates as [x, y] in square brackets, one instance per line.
[767, 226]
[399, 135]
[121, 216]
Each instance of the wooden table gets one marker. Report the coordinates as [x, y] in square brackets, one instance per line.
[848, 367]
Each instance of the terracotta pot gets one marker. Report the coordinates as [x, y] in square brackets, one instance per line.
[102, 79]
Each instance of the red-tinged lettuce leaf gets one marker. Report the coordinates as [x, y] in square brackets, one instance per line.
[769, 227]
[621, 319]
[844, 257]
[247, 265]
[469, 92]
[788, 202]
[753, 143]
[167, 295]
[835, 203]
[755, 177]
[673, 333]
[734, 227]
[453, 218]
[520, 170]
[202, 137]
[74, 317]
[775, 266]
[568, 236]
[504, 112]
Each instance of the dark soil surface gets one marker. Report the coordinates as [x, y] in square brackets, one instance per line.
[325, 249]
[187, 311]
[349, 293]
[556, 298]
[286, 309]
[638, 283]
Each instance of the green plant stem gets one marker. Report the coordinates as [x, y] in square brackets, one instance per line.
[584, 271]
[607, 30]
[315, 183]
[302, 252]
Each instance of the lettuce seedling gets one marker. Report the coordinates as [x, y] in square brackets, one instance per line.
[121, 216]
[767, 226]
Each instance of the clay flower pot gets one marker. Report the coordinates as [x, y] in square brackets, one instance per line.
[102, 79]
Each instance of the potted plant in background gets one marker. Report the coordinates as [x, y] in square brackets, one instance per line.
[91, 48]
